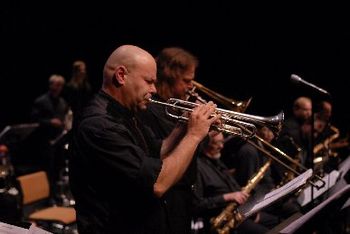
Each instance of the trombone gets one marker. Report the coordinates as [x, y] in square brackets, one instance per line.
[233, 105]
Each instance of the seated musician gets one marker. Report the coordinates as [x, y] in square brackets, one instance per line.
[215, 189]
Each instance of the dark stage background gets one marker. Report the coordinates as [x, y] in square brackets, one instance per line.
[248, 51]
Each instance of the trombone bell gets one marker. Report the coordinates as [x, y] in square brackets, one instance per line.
[239, 106]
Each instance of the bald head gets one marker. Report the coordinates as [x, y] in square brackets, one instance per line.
[128, 56]
[302, 101]
[129, 76]
[302, 108]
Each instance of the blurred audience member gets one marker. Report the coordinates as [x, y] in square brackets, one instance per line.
[49, 110]
[78, 90]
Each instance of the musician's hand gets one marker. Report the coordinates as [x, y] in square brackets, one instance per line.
[56, 122]
[257, 218]
[213, 133]
[239, 197]
[202, 117]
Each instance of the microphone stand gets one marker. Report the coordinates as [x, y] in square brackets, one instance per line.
[311, 151]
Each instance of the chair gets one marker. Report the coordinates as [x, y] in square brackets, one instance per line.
[36, 190]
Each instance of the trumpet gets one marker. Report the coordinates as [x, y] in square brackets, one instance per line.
[233, 123]
[325, 144]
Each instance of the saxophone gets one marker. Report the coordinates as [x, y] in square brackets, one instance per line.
[325, 144]
[230, 218]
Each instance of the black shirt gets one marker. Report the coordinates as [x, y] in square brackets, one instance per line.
[248, 162]
[179, 197]
[212, 183]
[114, 164]
[44, 109]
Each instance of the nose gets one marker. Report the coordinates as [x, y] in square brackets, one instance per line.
[153, 89]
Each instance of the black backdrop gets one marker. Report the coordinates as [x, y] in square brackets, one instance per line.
[243, 50]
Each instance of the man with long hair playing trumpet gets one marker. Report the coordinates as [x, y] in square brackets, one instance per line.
[176, 69]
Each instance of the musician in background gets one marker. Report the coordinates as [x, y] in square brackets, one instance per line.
[248, 160]
[49, 110]
[119, 172]
[216, 188]
[322, 122]
[326, 110]
[296, 131]
[326, 138]
[78, 90]
[176, 69]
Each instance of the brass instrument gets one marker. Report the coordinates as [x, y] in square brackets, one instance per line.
[275, 128]
[296, 164]
[239, 106]
[230, 218]
[322, 151]
[231, 121]
[289, 175]
[325, 144]
[235, 106]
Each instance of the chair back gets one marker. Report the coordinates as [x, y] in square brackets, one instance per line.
[35, 187]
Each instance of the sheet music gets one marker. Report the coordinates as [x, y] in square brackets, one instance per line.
[344, 166]
[6, 228]
[280, 192]
[307, 195]
[35, 230]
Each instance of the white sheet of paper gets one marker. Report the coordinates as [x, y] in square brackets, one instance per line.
[35, 230]
[280, 192]
[6, 228]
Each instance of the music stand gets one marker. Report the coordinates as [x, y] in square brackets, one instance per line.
[16, 133]
[16, 138]
[344, 168]
[335, 201]
[250, 208]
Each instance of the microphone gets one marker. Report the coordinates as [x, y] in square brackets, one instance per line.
[297, 79]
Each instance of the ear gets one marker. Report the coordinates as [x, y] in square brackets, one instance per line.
[120, 75]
